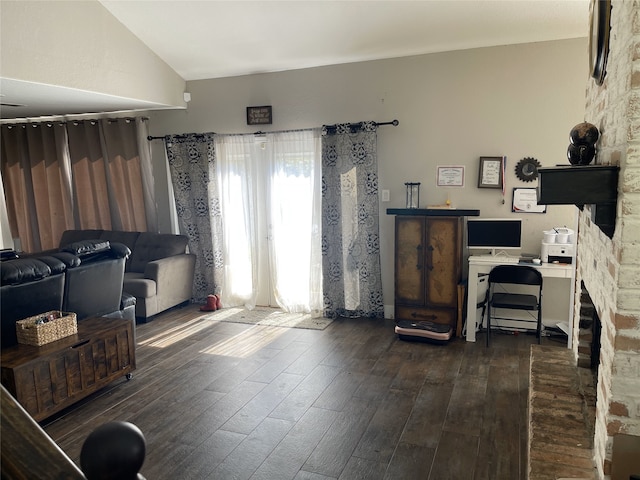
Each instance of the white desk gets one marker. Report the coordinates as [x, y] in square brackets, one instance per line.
[548, 270]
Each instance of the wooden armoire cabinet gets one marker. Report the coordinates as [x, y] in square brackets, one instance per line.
[428, 264]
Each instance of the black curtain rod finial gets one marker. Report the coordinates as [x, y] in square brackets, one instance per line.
[394, 122]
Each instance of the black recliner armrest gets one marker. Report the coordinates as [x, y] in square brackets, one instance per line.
[127, 300]
[8, 254]
[120, 250]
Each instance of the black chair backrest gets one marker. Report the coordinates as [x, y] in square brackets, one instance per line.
[516, 274]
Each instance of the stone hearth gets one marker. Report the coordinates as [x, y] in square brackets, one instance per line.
[561, 416]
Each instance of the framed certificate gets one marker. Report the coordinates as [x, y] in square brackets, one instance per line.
[450, 176]
[490, 174]
[525, 200]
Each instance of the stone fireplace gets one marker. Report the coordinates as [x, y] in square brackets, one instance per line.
[589, 334]
[609, 268]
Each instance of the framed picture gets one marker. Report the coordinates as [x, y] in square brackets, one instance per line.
[525, 200]
[491, 172]
[259, 115]
[450, 176]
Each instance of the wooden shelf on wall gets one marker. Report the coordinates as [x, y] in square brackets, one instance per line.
[582, 185]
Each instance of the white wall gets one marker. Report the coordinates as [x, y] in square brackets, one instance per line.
[80, 45]
[519, 101]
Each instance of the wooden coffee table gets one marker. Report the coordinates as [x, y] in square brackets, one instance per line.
[49, 378]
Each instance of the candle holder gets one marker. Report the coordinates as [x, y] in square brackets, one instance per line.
[413, 194]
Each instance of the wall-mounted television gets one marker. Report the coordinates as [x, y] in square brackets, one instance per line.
[494, 234]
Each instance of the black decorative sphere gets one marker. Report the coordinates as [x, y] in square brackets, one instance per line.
[113, 450]
[580, 154]
[584, 134]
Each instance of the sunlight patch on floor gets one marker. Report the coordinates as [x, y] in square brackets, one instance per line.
[271, 317]
[266, 326]
[245, 343]
[178, 333]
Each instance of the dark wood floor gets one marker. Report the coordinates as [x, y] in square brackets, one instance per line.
[234, 401]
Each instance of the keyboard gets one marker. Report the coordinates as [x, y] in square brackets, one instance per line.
[494, 259]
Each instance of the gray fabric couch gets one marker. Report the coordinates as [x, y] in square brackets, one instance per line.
[159, 273]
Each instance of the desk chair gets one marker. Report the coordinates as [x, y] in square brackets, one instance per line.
[514, 275]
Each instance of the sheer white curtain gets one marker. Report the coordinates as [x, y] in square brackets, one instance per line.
[282, 172]
[237, 177]
[295, 218]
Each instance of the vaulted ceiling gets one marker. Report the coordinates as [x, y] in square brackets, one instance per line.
[213, 39]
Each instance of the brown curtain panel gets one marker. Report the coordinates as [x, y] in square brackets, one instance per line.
[37, 182]
[124, 173]
[82, 174]
[107, 175]
[89, 174]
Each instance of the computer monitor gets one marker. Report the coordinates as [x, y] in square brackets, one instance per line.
[494, 234]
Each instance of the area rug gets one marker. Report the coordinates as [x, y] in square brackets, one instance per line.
[270, 317]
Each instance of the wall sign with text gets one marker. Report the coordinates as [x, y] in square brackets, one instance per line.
[259, 115]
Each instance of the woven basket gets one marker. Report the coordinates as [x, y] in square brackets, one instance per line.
[46, 328]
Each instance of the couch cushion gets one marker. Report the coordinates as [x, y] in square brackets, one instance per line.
[154, 246]
[69, 259]
[87, 247]
[23, 270]
[138, 286]
[71, 236]
[56, 265]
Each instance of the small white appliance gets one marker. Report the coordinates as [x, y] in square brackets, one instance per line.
[557, 245]
[557, 252]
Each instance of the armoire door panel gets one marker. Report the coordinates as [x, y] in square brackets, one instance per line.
[443, 271]
[410, 251]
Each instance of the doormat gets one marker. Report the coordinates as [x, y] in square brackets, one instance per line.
[271, 317]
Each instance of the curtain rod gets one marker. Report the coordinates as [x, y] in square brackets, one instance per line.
[183, 135]
[395, 123]
[53, 120]
[259, 132]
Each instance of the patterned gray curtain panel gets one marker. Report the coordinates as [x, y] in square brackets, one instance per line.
[352, 283]
[192, 163]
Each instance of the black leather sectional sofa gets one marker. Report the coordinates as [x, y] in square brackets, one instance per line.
[84, 277]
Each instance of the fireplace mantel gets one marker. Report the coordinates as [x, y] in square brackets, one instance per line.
[582, 185]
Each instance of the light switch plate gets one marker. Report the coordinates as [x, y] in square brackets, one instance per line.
[385, 195]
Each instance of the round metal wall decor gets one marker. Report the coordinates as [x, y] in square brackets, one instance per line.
[527, 169]
[599, 38]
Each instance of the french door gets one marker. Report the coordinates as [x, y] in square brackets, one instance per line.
[270, 206]
[265, 294]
